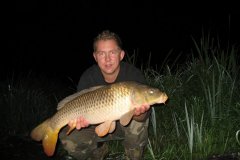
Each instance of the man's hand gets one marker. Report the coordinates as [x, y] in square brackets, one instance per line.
[78, 123]
[141, 113]
[141, 110]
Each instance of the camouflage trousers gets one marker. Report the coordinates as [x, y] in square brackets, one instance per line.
[85, 144]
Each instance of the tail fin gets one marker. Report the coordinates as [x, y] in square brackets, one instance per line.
[48, 136]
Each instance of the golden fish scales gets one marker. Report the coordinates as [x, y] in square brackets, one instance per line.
[101, 105]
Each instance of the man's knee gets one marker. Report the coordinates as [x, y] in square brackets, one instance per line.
[78, 144]
[136, 134]
[135, 153]
[135, 140]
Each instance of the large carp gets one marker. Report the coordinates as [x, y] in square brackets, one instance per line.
[101, 105]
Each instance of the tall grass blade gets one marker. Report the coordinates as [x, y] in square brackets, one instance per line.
[150, 148]
[154, 121]
[237, 135]
[190, 129]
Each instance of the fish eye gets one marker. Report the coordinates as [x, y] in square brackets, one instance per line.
[151, 91]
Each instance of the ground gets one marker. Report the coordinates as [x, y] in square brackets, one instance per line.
[23, 148]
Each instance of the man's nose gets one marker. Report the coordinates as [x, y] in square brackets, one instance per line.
[107, 56]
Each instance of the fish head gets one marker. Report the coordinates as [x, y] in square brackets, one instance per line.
[154, 95]
[145, 94]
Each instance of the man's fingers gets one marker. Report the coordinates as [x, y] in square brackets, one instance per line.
[141, 110]
[145, 108]
[137, 111]
[84, 122]
[78, 125]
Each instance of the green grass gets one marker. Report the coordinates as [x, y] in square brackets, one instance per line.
[200, 119]
[27, 100]
[202, 116]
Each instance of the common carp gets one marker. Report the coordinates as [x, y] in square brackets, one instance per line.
[102, 105]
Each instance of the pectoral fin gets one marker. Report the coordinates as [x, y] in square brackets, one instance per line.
[71, 128]
[104, 128]
[126, 118]
[112, 127]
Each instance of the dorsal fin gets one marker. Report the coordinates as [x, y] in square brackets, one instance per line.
[71, 97]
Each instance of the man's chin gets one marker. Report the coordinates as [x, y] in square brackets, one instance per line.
[108, 70]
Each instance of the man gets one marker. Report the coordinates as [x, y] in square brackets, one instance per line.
[110, 68]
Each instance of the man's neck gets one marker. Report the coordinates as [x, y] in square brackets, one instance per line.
[110, 78]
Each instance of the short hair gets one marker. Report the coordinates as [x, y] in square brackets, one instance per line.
[107, 35]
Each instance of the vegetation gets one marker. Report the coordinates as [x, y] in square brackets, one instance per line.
[201, 118]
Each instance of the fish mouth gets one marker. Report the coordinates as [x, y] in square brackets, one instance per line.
[163, 99]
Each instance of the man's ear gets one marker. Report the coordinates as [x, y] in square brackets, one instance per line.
[122, 54]
[95, 57]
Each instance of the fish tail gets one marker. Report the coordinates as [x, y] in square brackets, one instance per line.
[48, 136]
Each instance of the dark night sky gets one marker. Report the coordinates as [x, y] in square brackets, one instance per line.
[56, 36]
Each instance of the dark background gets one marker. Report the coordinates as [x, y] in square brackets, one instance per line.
[55, 37]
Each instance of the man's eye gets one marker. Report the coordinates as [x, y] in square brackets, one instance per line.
[100, 53]
[112, 52]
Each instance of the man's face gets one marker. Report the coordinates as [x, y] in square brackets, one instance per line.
[108, 56]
